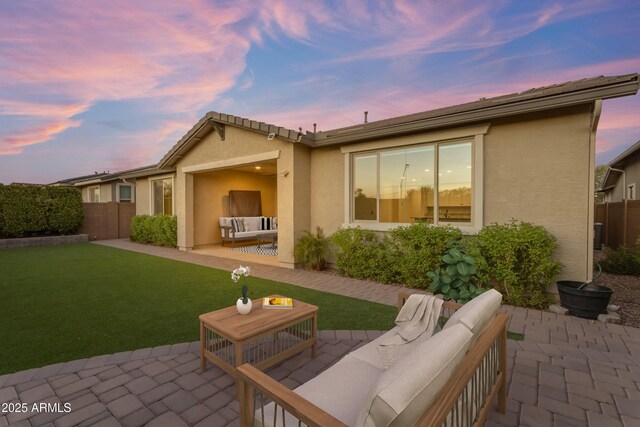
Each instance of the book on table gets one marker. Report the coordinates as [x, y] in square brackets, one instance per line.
[277, 302]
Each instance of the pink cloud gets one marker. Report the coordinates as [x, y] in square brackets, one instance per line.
[34, 135]
[175, 56]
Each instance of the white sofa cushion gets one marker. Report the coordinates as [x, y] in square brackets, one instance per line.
[340, 390]
[369, 353]
[477, 313]
[251, 223]
[407, 388]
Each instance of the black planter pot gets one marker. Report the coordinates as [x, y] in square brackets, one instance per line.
[587, 302]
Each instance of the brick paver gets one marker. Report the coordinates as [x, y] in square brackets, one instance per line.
[567, 371]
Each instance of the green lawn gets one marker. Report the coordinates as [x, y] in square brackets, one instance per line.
[67, 302]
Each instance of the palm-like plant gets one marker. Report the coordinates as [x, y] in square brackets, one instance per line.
[312, 250]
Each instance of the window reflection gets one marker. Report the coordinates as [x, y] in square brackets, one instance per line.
[399, 185]
[365, 191]
[454, 179]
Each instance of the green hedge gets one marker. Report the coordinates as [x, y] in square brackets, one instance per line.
[159, 230]
[516, 260]
[39, 210]
[404, 255]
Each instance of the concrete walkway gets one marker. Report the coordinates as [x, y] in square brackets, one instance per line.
[566, 372]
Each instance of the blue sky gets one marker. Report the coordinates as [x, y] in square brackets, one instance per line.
[90, 86]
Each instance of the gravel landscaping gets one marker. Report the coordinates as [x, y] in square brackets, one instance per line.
[626, 294]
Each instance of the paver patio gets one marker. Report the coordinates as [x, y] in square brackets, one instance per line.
[566, 372]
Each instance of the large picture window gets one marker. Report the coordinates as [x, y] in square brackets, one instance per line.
[162, 196]
[407, 185]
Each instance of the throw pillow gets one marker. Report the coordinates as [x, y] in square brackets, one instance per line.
[237, 224]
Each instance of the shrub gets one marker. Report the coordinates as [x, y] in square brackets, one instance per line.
[358, 253]
[159, 230]
[39, 210]
[456, 277]
[312, 250]
[417, 249]
[517, 259]
[66, 213]
[404, 255]
[621, 261]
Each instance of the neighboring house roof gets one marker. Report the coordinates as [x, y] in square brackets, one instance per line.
[615, 167]
[536, 99]
[77, 179]
[99, 178]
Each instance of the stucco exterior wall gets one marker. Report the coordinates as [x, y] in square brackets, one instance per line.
[537, 169]
[143, 204]
[211, 199]
[327, 184]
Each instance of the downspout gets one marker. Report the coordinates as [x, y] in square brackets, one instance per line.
[595, 118]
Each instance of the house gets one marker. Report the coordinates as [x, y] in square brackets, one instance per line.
[467, 165]
[623, 176]
[111, 187]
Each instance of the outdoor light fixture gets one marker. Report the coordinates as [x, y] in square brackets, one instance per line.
[271, 136]
[284, 173]
[258, 167]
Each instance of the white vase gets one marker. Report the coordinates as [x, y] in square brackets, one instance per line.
[243, 308]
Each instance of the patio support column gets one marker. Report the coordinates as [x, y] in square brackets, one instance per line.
[184, 211]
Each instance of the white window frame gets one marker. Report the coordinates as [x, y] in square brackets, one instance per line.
[90, 191]
[474, 134]
[173, 193]
[631, 191]
[133, 191]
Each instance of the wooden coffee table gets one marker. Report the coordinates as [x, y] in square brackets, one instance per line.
[263, 337]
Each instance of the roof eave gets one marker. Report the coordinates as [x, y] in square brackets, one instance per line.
[527, 106]
[207, 124]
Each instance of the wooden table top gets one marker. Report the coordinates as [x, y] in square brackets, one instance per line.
[235, 326]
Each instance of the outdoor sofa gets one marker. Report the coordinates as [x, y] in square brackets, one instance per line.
[241, 228]
[450, 379]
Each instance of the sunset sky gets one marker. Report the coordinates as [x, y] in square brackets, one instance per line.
[90, 86]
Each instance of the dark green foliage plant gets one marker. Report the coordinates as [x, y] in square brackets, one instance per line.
[39, 210]
[456, 277]
[623, 260]
[311, 250]
[159, 230]
[517, 261]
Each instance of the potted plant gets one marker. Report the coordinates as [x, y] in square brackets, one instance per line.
[244, 303]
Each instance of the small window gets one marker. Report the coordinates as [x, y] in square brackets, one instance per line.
[631, 192]
[162, 196]
[94, 194]
[125, 193]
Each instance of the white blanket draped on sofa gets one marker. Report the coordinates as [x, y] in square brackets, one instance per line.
[416, 322]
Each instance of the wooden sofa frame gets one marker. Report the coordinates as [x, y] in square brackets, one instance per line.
[228, 234]
[478, 380]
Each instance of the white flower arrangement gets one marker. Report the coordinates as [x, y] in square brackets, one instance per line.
[243, 272]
